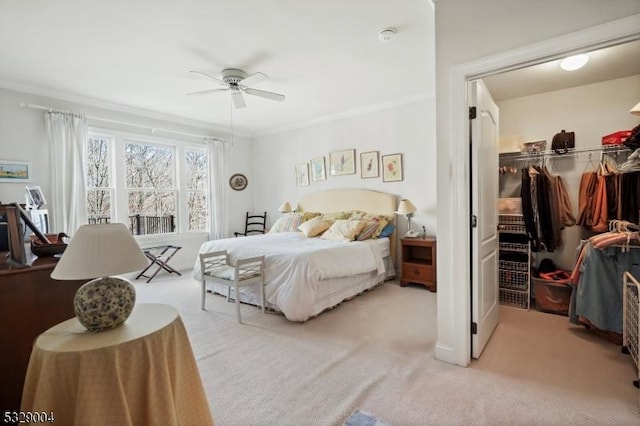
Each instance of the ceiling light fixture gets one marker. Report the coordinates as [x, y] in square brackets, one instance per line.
[387, 34]
[574, 62]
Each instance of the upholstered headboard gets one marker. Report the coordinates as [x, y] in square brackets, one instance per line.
[334, 200]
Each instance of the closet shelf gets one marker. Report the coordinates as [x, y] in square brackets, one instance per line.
[524, 156]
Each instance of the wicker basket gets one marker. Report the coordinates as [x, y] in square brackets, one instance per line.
[41, 249]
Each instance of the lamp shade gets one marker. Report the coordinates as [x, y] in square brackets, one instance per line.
[285, 207]
[96, 252]
[636, 109]
[406, 207]
[100, 251]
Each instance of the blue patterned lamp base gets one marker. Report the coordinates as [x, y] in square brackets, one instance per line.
[104, 303]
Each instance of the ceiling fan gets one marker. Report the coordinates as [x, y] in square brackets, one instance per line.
[237, 81]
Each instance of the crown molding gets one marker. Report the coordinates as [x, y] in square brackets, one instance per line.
[96, 103]
[349, 113]
[224, 131]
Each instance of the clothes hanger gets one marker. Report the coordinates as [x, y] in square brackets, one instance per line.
[590, 162]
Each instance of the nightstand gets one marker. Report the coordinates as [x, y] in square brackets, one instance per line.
[419, 262]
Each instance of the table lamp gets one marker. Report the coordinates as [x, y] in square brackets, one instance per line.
[407, 208]
[97, 252]
[635, 110]
[285, 208]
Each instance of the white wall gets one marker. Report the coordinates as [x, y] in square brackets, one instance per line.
[23, 137]
[590, 111]
[468, 31]
[407, 129]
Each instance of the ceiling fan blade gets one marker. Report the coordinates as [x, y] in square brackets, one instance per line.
[216, 79]
[265, 94]
[206, 92]
[238, 99]
[253, 79]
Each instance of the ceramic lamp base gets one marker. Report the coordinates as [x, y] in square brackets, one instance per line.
[104, 303]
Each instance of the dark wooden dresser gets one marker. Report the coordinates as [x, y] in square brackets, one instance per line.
[30, 303]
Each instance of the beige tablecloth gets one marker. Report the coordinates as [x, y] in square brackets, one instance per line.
[142, 373]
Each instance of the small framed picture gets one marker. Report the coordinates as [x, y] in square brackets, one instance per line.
[392, 168]
[342, 162]
[35, 196]
[238, 182]
[302, 174]
[15, 171]
[369, 165]
[318, 170]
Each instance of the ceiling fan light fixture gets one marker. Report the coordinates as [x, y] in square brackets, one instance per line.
[575, 62]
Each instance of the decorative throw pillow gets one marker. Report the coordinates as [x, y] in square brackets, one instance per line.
[387, 231]
[314, 227]
[343, 230]
[308, 216]
[335, 216]
[380, 218]
[367, 232]
[287, 223]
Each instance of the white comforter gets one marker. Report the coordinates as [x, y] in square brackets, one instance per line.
[295, 266]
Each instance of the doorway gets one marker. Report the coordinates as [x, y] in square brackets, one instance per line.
[591, 39]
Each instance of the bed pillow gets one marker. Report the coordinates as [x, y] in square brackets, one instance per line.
[343, 230]
[287, 223]
[309, 215]
[381, 219]
[387, 231]
[313, 227]
[367, 231]
[335, 216]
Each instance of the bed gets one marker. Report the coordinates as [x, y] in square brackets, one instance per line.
[306, 276]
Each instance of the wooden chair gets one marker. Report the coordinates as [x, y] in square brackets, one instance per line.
[253, 224]
[215, 267]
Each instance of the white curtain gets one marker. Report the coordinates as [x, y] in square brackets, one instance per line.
[217, 152]
[68, 135]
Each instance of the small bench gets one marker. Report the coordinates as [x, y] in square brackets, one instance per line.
[215, 267]
[160, 257]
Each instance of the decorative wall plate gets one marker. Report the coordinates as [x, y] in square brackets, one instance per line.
[238, 182]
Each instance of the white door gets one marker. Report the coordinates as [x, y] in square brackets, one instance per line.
[484, 198]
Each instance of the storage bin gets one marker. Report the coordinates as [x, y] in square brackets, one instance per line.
[551, 296]
[510, 206]
[617, 138]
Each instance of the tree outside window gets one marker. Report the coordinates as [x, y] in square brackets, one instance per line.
[196, 169]
[99, 189]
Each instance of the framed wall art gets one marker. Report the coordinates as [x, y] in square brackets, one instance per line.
[342, 162]
[369, 165]
[318, 170]
[392, 168]
[35, 196]
[302, 174]
[238, 182]
[15, 171]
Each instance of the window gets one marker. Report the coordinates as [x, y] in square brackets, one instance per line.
[151, 189]
[196, 168]
[99, 188]
[152, 185]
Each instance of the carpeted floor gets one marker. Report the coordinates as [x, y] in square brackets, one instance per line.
[375, 353]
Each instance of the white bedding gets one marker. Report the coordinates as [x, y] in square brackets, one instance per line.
[298, 270]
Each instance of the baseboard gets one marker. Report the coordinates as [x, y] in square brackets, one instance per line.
[445, 353]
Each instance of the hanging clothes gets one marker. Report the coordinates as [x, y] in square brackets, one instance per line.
[586, 197]
[565, 206]
[546, 207]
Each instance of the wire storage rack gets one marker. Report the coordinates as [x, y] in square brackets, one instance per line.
[631, 322]
[514, 265]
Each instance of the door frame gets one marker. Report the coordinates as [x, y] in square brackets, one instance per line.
[450, 311]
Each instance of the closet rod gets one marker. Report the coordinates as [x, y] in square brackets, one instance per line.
[605, 149]
[153, 130]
